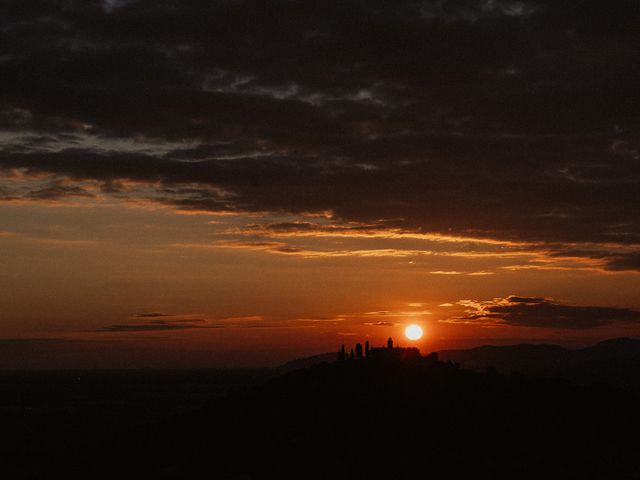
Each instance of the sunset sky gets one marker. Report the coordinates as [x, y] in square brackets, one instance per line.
[240, 183]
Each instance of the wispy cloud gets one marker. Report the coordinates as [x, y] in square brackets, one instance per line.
[282, 248]
[158, 321]
[379, 230]
[154, 327]
[64, 242]
[455, 272]
[154, 315]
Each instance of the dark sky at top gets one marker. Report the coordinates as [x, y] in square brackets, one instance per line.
[504, 119]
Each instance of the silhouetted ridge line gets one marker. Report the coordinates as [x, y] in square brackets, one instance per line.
[615, 361]
[382, 415]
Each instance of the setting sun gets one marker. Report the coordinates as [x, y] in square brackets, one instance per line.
[413, 332]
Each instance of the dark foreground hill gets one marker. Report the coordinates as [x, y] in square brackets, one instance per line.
[615, 361]
[383, 419]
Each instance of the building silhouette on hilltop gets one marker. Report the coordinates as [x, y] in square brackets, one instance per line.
[390, 352]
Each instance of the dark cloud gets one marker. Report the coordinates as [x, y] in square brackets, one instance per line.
[56, 190]
[174, 321]
[624, 262]
[311, 228]
[525, 300]
[35, 342]
[542, 313]
[155, 326]
[516, 120]
[158, 321]
[616, 260]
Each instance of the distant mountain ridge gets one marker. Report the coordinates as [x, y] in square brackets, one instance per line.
[615, 361]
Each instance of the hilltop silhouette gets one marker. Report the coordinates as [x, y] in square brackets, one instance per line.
[615, 361]
[391, 416]
[387, 412]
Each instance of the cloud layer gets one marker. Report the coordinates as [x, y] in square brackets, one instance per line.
[541, 313]
[509, 120]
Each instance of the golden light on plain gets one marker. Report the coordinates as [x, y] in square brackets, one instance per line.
[413, 332]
